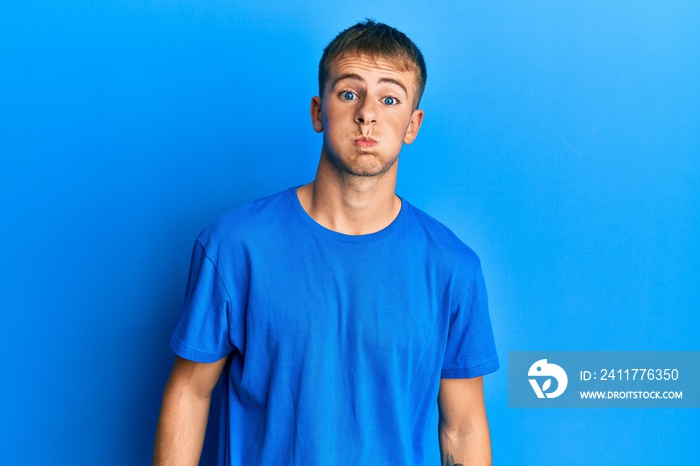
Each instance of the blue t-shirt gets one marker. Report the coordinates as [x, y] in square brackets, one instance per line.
[336, 343]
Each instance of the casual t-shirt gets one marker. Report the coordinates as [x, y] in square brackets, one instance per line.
[336, 343]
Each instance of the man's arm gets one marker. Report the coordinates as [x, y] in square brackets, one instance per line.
[464, 430]
[183, 416]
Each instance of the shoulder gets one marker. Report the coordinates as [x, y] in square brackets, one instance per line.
[246, 222]
[441, 242]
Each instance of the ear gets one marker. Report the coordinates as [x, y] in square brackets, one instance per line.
[316, 120]
[413, 126]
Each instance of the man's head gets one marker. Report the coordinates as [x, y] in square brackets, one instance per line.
[376, 41]
[371, 78]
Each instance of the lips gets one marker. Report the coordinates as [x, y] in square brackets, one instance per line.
[365, 142]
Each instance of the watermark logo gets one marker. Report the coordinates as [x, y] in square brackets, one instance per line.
[603, 379]
[542, 369]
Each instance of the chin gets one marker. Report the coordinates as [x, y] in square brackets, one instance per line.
[374, 169]
[363, 163]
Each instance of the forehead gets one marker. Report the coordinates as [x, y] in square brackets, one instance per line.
[373, 67]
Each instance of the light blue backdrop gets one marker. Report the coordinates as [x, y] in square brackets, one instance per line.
[561, 141]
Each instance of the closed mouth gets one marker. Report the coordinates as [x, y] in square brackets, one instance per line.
[365, 142]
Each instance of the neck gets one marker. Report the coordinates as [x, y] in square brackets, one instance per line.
[353, 205]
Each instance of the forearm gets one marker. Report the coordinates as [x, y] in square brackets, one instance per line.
[466, 446]
[181, 428]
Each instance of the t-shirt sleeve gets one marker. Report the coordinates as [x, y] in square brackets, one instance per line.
[471, 350]
[202, 330]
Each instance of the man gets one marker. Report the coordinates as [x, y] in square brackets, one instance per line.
[349, 324]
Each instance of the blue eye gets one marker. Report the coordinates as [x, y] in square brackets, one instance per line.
[389, 101]
[347, 95]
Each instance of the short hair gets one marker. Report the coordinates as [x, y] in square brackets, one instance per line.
[376, 40]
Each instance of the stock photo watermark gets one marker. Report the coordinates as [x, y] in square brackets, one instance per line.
[604, 379]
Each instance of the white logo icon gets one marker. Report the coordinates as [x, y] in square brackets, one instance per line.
[544, 369]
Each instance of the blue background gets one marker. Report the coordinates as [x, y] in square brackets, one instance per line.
[561, 142]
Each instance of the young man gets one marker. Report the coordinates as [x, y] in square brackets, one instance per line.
[351, 327]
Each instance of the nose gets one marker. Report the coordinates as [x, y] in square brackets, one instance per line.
[366, 112]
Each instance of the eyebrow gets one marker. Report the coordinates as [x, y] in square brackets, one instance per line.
[357, 77]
